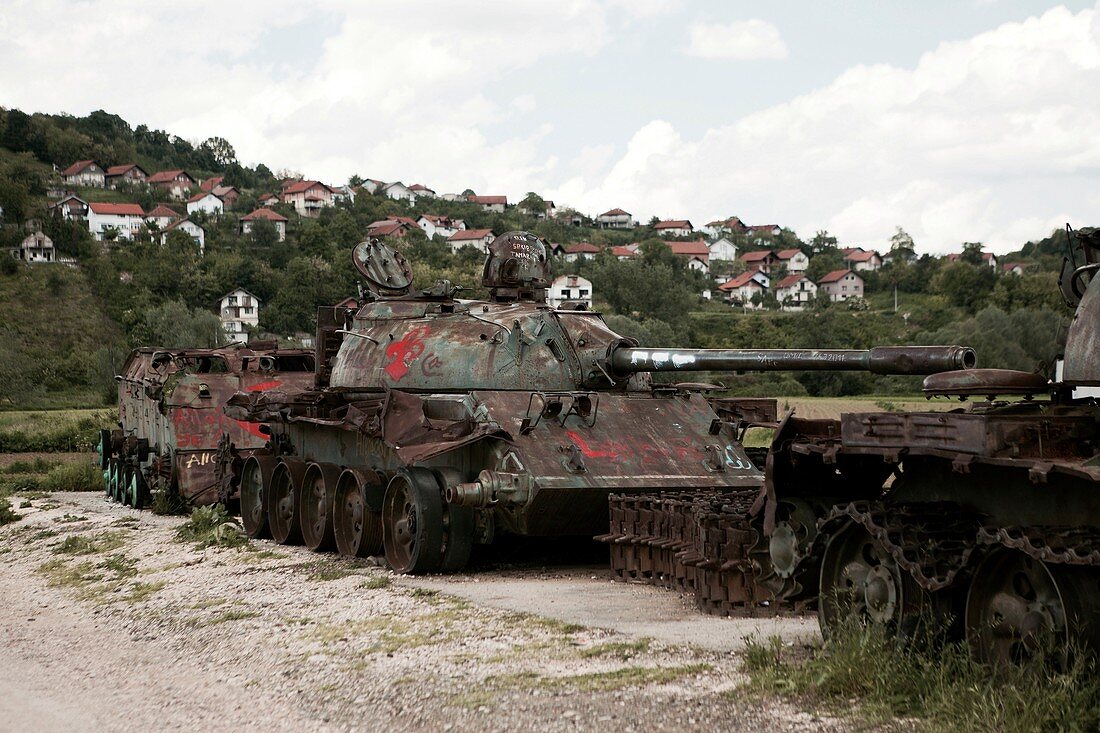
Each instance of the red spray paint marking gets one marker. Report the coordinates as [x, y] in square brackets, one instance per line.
[404, 352]
[262, 386]
[587, 450]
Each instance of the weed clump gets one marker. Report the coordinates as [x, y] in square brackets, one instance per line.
[7, 514]
[78, 544]
[73, 477]
[168, 503]
[940, 684]
[212, 526]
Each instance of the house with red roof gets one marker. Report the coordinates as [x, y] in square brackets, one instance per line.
[987, 258]
[732, 225]
[470, 238]
[795, 291]
[189, 228]
[436, 225]
[228, 194]
[419, 190]
[762, 233]
[1013, 268]
[489, 203]
[674, 228]
[124, 220]
[795, 260]
[263, 214]
[696, 252]
[841, 285]
[627, 252]
[129, 174]
[615, 219]
[176, 182]
[763, 260]
[862, 260]
[307, 197]
[741, 289]
[392, 226]
[85, 173]
[209, 184]
[207, 203]
[161, 216]
[268, 199]
[580, 251]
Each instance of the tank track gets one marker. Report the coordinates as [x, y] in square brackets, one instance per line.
[932, 541]
[696, 543]
[1059, 545]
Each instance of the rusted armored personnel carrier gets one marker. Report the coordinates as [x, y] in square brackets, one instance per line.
[982, 520]
[171, 420]
[441, 422]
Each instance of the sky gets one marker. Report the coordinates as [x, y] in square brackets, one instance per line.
[961, 120]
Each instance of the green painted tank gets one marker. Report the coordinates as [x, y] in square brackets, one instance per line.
[441, 422]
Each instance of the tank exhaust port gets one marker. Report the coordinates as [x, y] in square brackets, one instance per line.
[491, 488]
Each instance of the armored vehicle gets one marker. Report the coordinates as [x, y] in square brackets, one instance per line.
[981, 521]
[439, 422]
[172, 424]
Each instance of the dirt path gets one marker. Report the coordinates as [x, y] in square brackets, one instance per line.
[109, 623]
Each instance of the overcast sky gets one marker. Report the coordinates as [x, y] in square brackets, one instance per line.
[958, 120]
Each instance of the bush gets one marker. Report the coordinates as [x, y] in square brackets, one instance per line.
[73, 477]
[212, 526]
[7, 516]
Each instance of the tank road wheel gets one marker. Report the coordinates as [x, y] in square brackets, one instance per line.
[459, 525]
[1020, 608]
[316, 505]
[358, 529]
[861, 583]
[412, 522]
[109, 477]
[116, 470]
[282, 502]
[255, 477]
[103, 449]
[136, 489]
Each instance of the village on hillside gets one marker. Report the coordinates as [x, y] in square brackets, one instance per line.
[745, 266]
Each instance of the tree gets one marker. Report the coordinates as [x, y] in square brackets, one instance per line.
[965, 284]
[533, 204]
[219, 149]
[175, 326]
[823, 243]
[972, 253]
[902, 245]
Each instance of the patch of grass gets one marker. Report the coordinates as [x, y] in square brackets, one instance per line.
[120, 565]
[228, 616]
[7, 514]
[67, 518]
[168, 504]
[615, 679]
[43, 534]
[19, 484]
[212, 526]
[52, 431]
[376, 583]
[33, 493]
[127, 521]
[38, 465]
[73, 477]
[138, 592]
[208, 603]
[620, 649]
[942, 687]
[25, 504]
[325, 570]
[78, 544]
[423, 593]
[389, 633]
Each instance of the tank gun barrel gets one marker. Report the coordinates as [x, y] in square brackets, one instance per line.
[879, 360]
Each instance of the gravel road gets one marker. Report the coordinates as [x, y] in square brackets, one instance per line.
[110, 623]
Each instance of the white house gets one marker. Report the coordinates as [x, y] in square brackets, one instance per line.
[471, 238]
[419, 190]
[35, 248]
[278, 220]
[85, 173]
[444, 226]
[570, 289]
[398, 191]
[795, 260]
[188, 227]
[615, 219]
[744, 287]
[841, 285]
[207, 203]
[490, 203]
[627, 252]
[580, 251]
[131, 174]
[795, 291]
[861, 260]
[125, 219]
[724, 226]
[308, 197]
[239, 311]
[161, 216]
[674, 228]
[696, 253]
[372, 186]
[722, 249]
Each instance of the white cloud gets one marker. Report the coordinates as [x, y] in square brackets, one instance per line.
[995, 138]
[742, 40]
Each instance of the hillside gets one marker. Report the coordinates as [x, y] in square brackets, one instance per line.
[57, 345]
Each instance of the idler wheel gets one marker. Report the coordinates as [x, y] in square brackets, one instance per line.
[861, 583]
[412, 522]
[316, 505]
[1019, 609]
[255, 479]
[282, 502]
[357, 527]
[459, 525]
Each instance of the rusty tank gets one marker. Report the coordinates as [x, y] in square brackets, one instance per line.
[173, 435]
[980, 522]
[441, 422]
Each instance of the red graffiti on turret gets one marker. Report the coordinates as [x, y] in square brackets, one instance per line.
[404, 352]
